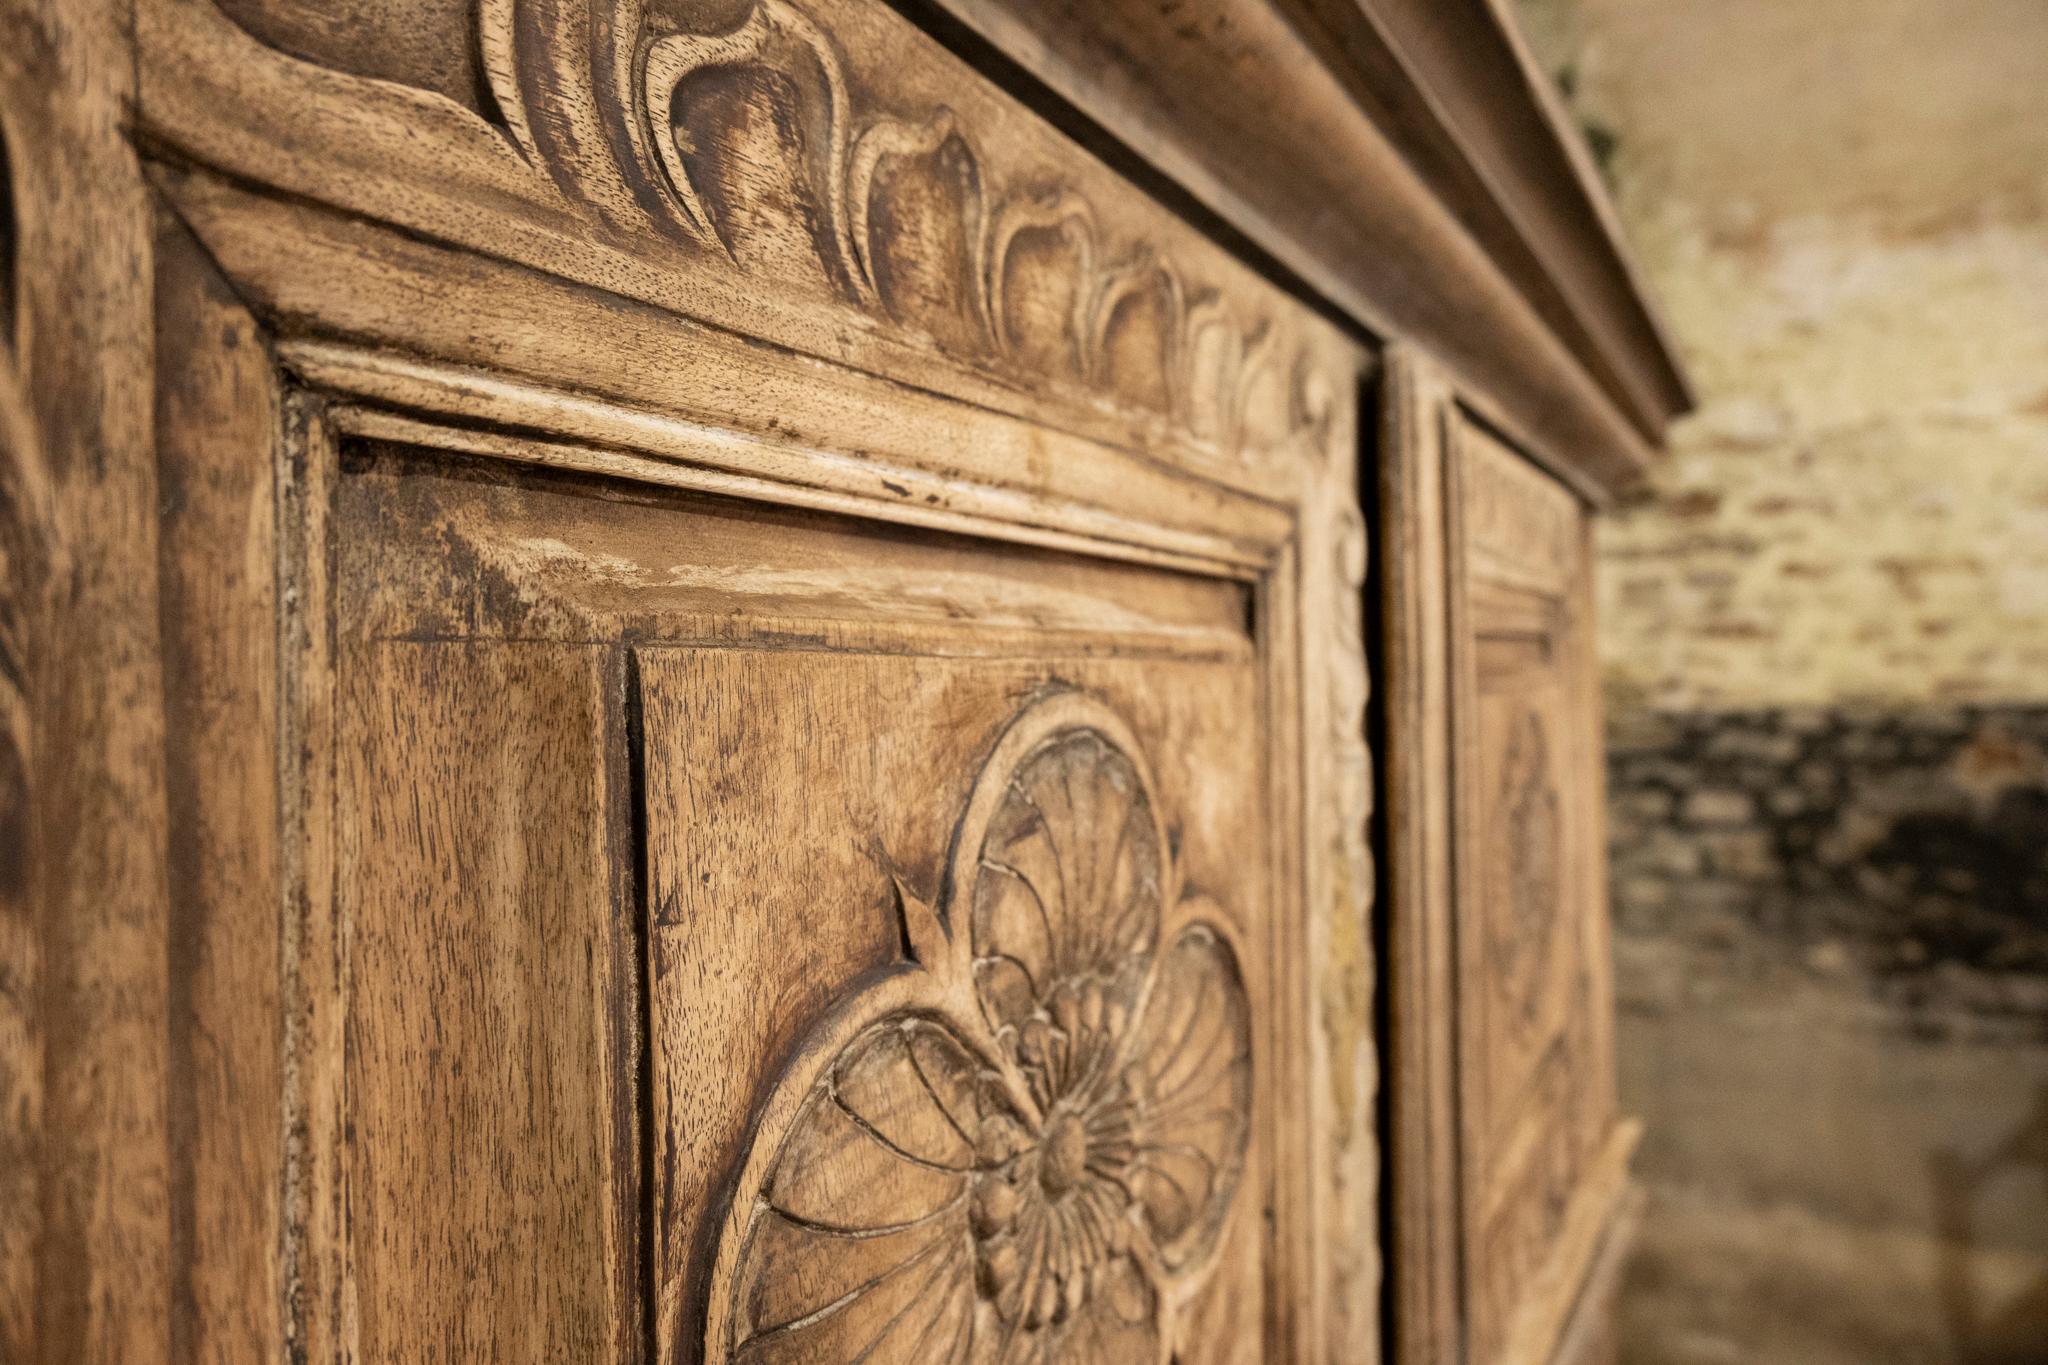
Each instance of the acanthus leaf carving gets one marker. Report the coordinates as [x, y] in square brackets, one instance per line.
[774, 39]
[1133, 341]
[679, 146]
[916, 254]
[1034, 1154]
[1041, 330]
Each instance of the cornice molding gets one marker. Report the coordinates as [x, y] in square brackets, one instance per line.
[1545, 213]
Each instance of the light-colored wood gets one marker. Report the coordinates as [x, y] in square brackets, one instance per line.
[678, 684]
[799, 722]
[823, 139]
[1018, 1026]
[1422, 1076]
[1432, 201]
[1466, 100]
[1592, 1336]
[492, 1048]
[1508, 1156]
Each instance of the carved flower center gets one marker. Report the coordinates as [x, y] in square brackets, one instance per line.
[1064, 1157]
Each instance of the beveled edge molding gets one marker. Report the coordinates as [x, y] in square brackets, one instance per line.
[1597, 1209]
[1399, 204]
[1424, 1260]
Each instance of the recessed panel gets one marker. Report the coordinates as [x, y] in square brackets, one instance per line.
[1535, 1086]
[490, 1156]
[773, 938]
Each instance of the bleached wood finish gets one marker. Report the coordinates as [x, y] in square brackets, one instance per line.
[686, 680]
[1508, 1159]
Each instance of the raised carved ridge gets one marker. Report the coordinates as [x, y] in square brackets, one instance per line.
[812, 172]
[461, 50]
[1032, 1154]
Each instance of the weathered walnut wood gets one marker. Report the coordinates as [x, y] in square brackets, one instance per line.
[674, 685]
[86, 1242]
[218, 410]
[484, 855]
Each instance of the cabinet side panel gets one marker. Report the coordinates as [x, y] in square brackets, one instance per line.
[85, 1231]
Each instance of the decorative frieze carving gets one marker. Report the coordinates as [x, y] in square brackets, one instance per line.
[770, 158]
[746, 142]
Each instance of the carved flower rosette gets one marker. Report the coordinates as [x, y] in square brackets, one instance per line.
[1023, 1145]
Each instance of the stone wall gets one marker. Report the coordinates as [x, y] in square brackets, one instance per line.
[1825, 634]
[1905, 849]
[1842, 206]
[1833, 995]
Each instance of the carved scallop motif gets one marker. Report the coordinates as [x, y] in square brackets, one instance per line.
[1033, 1155]
[769, 160]
[462, 51]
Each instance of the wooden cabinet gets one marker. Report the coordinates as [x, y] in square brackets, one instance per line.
[690, 680]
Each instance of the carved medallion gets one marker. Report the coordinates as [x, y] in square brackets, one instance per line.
[1525, 924]
[1024, 1145]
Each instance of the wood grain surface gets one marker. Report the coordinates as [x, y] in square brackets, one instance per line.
[1509, 1158]
[687, 680]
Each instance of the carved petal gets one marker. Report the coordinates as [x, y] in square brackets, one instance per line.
[915, 195]
[756, 142]
[860, 1247]
[1191, 1076]
[1117, 1323]
[1070, 876]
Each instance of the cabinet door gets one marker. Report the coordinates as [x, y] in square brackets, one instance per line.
[866, 937]
[1508, 1152]
[767, 709]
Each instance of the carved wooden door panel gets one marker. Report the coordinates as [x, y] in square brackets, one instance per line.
[1542, 1157]
[766, 707]
[1509, 1154]
[922, 951]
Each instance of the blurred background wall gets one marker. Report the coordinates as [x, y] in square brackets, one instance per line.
[1826, 639]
